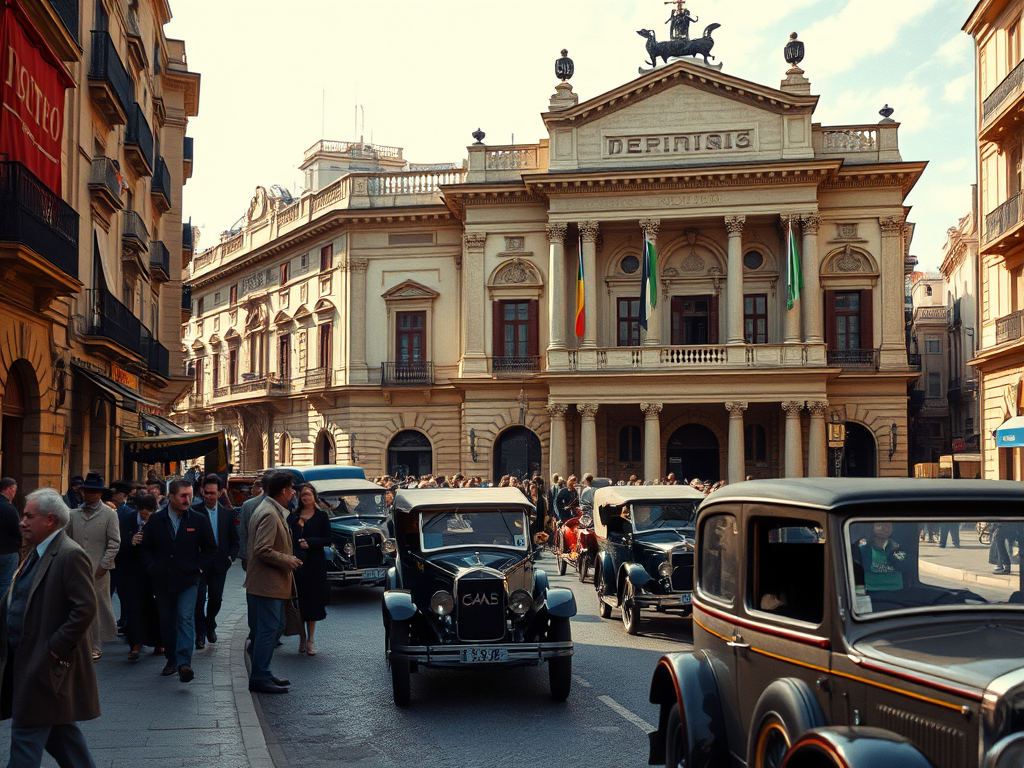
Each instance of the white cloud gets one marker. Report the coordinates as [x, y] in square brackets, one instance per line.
[956, 165]
[958, 90]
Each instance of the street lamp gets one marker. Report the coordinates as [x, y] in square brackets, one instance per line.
[837, 440]
[472, 444]
[892, 440]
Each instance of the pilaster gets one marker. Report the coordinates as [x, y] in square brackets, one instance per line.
[817, 440]
[558, 458]
[557, 293]
[474, 358]
[790, 317]
[589, 233]
[812, 315]
[356, 273]
[652, 440]
[588, 438]
[893, 352]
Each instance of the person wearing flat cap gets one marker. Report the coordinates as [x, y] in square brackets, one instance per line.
[95, 528]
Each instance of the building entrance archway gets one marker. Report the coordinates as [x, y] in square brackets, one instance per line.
[410, 453]
[860, 455]
[516, 452]
[692, 451]
[323, 451]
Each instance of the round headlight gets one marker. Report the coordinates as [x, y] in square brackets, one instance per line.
[389, 547]
[665, 570]
[442, 603]
[520, 602]
[349, 549]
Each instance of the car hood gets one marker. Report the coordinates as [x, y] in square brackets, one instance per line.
[662, 539]
[351, 525]
[973, 652]
[462, 560]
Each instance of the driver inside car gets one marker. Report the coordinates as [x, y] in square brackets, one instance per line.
[883, 561]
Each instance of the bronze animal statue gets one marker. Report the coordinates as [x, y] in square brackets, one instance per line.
[666, 49]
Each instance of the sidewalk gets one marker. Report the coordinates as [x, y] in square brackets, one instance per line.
[158, 722]
[969, 563]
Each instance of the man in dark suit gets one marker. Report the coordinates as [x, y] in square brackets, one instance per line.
[10, 532]
[46, 668]
[211, 583]
[177, 546]
[135, 587]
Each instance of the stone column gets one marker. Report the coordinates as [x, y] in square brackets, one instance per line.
[652, 337]
[790, 317]
[589, 231]
[474, 358]
[812, 316]
[893, 350]
[356, 268]
[556, 289]
[652, 440]
[817, 441]
[588, 438]
[794, 463]
[558, 460]
[737, 451]
[734, 281]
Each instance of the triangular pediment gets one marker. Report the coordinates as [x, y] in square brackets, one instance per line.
[408, 291]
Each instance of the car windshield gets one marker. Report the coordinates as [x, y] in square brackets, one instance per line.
[650, 517]
[906, 565]
[474, 527]
[348, 503]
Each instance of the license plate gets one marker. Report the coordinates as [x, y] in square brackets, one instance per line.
[686, 599]
[482, 655]
[375, 573]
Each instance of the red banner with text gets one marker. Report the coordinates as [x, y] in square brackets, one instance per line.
[32, 84]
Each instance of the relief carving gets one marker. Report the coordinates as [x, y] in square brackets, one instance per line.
[693, 263]
[474, 241]
[513, 244]
[848, 262]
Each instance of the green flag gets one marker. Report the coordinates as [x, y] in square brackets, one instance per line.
[795, 279]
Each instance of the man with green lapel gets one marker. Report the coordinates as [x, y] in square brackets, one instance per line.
[48, 681]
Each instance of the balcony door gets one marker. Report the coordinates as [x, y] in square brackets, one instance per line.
[694, 320]
[325, 347]
[410, 339]
[515, 327]
[284, 356]
[848, 320]
[628, 322]
[233, 365]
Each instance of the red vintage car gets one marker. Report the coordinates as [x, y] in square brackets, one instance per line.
[575, 544]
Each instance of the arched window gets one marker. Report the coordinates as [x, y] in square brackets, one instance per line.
[284, 452]
[755, 443]
[630, 449]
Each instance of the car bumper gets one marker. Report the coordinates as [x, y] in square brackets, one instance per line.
[369, 576]
[519, 654]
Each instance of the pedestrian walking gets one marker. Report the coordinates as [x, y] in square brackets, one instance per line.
[94, 527]
[48, 680]
[177, 545]
[248, 507]
[311, 532]
[210, 594]
[268, 580]
[949, 530]
[135, 587]
[10, 533]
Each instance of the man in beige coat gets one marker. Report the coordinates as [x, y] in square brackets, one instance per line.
[47, 679]
[268, 579]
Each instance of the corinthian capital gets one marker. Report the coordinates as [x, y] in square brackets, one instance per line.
[817, 408]
[650, 227]
[892, 226]
[590, 231]
[556, 233]
[557, 410]
[811, 223]
[589, 410]
[793, 408]
[734, 225]
[474, 241]
[736, 409]
[651, 410]
[357, 265]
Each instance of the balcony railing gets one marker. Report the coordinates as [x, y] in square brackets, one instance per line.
[914, 361]
[32, 215]
[257, 384]
[186, 156]
[1008, 327]
[156, 354]
[1002, 218]
[159, 259]
[515, 364]
[853, 358]
[133, 230]
[317, 378]
[1010, 86]
[402, 374]
[160, 188]
[105, 178]
[106, 67]
[139, 137]
[68, 12]
[186, 298]
[111, 319]
[219, 392]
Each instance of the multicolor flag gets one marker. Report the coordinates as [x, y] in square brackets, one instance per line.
[795, 279]
[580, 315]
[648, 282]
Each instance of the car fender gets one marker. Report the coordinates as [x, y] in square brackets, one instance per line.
[398, 605]
[688, 679]
[604, 562]
[637, 574]
[540, 582]
[393, 578]
[853, 747]
[561, 602]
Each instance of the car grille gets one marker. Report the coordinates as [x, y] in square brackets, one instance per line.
[946, 747]
[368, 552]
[682, 571]
[481, 609]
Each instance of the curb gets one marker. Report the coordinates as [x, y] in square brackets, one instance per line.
[256, 752]
[967, 576]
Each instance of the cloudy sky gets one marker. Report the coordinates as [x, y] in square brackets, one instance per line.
[278, 76]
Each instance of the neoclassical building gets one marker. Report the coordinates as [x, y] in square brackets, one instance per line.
[415, 319]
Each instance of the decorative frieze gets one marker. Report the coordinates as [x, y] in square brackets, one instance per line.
[892, 226]
[474, 241]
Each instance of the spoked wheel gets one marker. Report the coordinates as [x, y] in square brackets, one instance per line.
[772, 744]
[560, 552]
[603, 609]
[400, 671]
[560, 668]
[630, 609]
[583, 564]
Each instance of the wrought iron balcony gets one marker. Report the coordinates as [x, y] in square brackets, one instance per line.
[515, 365]
[33, 216]
[109, 318]
[109, 83]
[186, 299]
[1002, 219]
[67, 10]
[317, 378]
[138, 142]
[252, 384]
[186, 237]
[134, 235]
[1011, 86]
[1008, 327]
[160, 186]
[156, 354]
[105, 184]
[219, 392]
[159, 261]
[865, 359]
[187, 152]
[406, 373]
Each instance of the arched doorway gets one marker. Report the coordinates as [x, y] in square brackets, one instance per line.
[409, 453]
[284, 456]
[692, 451]
[323, 451]
[252, 452]
[516, 452]
[12, 442]
[860, 456]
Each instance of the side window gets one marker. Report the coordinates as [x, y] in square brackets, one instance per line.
[719, 557]
[787, 572]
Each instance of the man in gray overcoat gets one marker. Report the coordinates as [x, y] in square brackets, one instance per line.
[47, 679]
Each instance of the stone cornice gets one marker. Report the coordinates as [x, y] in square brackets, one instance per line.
[903, 175]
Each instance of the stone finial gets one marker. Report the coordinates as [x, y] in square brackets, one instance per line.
[886, 113]
[478, 136]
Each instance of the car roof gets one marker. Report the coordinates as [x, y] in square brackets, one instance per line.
[323, 471]
[414, 498]
[833, 493]
[345, 484]
[624, 494]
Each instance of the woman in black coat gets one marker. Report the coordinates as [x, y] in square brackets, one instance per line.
[311, 532]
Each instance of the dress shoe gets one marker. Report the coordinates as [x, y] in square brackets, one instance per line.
[169, 669]
[185, 673]
[265, 686]
[211, 636]
[280, 681]
[1000, 569]
[200, 643]
[133, 654]
[159, 650]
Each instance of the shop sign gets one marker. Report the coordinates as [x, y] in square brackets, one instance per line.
[121, 376]
[151, 410]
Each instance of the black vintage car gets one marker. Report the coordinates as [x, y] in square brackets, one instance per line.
[829, 631]
[645, 549]
[465, 590]
[361, 550]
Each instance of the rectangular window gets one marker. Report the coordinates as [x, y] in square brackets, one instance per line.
[755, 318]
[199, 376]
[234, 295]
[932, 346]
[327, 258]
[629, 445]
[787, 576]
[629, 322]
[934, 385]
[199, 306]
[1013, 171]
[755, 444]
[303, 262]
[410, 340]
[325, 347]
[233, 366]
[285, 269]
[847, 320]
[216, 299]
[516, 328]
[719, 554]
[215, 371]
[284, 356]
[694, 320]
[1013, 45]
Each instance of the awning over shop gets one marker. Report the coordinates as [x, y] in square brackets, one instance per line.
[1011, 433]
[188, 445]
[161, 425]
[126, 398]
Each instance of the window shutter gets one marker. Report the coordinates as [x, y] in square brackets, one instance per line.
[533, 328]
[830, 320]
[867, 315]
[497, 329]
[676, 331]
[713, 319]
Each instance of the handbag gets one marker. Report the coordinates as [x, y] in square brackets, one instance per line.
[292, 619]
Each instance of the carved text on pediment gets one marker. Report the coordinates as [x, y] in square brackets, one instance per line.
[679, 144]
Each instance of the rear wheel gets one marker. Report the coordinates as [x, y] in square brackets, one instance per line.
[630, 609]
[583, 565]
[603, 608]
[560, 668]
[675, 740]
[772, 744]
[400, 672]
[560, 553]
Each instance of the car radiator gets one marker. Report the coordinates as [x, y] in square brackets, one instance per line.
[682, 571]
[368, 552]
[480, 610]
[944, 746]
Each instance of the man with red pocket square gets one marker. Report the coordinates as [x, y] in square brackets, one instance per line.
[177, 547]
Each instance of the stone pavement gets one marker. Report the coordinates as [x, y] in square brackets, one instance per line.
[968, 563]
[158, 722]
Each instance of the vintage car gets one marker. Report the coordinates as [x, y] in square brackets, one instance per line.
[361, 550]
[465, 590]
[576, 545]
[827, 634]
[644, 549]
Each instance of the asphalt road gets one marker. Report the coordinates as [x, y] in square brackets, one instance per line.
[340, 709]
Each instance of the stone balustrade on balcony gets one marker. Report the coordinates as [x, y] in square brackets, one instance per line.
[692, 357]
[858, 144]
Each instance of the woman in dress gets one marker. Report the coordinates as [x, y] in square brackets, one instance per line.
[311, 532]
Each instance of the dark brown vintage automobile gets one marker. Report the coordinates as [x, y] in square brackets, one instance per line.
[829, 634]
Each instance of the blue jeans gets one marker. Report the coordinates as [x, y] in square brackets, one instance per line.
[8, 565]
[64, 742]
[266, 625]
[177, 624]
